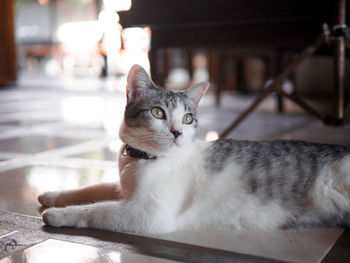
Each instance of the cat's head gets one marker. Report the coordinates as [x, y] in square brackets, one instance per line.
[156, 120]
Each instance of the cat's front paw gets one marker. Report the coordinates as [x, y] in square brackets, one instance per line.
[49, 199]
[71, 216]
[54, 217]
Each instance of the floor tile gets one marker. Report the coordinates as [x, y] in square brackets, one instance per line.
[31, 232]
[6, 127]
[309, 245]
[100, 154]
[317, 132]
[18, 95]
[19, 188]
[61, 251]
[59, 120]
[32, 105]
[35, 144]
[28, 122]
[258, 126]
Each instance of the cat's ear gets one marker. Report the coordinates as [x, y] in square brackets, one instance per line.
[138, 83]
[195, 93]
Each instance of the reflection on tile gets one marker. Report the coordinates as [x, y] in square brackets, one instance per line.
[6, 127]
[304, 245]
[35, 143]
[21, 96]
[19, 188]
[29, 106]
[60, 251]
[25, 122]
[100, 154]
[94, 110]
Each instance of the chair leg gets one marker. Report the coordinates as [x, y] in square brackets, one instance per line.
[214, 72]
[248, 111]
[339, 63]
[153, 63]
[278, 67]
[189, 64]
[274, 86]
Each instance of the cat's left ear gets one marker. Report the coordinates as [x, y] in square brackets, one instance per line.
[195, 93]
[138, 83]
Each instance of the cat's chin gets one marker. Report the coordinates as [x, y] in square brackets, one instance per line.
[166, 148]
[175, 149]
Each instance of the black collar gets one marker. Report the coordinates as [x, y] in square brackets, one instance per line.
[135, 153]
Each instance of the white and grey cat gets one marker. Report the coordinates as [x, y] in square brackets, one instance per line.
[171, 181]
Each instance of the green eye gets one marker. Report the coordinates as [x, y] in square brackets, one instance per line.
[158, 113]
[187, 118]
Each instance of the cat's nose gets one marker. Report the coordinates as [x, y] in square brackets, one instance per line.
[176, 133]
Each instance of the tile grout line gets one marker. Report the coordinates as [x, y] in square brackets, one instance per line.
[8, 234]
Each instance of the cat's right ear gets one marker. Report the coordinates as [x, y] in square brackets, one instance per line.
[195, 93]
[138, 83]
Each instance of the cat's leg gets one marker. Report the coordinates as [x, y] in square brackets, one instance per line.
[86, 195]
[331, 194]
[129, 216]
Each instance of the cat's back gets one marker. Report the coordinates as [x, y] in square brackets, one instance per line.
[272, 168]
[283, 171]
[271, 154]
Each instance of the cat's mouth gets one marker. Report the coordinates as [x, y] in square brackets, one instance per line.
[177, 142]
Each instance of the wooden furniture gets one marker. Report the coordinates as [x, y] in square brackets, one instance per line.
[7, 43]
[277, 25]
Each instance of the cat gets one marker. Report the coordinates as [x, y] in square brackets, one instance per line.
[170, 181]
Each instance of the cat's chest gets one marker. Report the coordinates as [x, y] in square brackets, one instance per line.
[165, 181]
[164, 172]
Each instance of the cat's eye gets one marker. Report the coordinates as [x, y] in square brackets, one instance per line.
[158, 113]
[187, 118]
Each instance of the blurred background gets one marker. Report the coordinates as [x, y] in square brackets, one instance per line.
[65, 40]
[76, 39]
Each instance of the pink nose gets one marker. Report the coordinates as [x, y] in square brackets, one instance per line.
[176, 133]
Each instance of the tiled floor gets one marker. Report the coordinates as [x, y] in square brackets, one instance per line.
[55, 136]
[62, 251]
